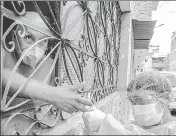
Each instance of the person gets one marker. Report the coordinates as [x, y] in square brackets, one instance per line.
[149, 94]
[63, 97]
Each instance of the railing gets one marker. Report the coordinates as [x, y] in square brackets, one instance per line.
[95, 53]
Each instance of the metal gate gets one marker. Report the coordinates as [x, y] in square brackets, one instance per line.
[84, 48]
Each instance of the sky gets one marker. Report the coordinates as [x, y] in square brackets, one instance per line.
[165, 14]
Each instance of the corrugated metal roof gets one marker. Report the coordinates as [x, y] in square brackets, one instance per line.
[143, 32]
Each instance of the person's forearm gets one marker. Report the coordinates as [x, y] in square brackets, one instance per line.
[33, 89]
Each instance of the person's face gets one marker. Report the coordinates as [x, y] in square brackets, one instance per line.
[144, 97]
[32, 36]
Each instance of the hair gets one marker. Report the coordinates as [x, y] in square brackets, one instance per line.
[150, 80]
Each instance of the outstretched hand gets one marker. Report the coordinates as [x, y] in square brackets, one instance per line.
[66, 99]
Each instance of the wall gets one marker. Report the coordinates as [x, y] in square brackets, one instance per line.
[132, 56]
[147, 63]
[139, 58]
[125, 52]
[141, 10]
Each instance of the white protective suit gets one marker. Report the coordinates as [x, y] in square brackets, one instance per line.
[111, 126]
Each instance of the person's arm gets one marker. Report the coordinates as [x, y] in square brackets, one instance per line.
[111, 126]
[62, 97]
[98, 123]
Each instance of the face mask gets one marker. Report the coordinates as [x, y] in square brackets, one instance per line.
[146, 115]
[33, 56]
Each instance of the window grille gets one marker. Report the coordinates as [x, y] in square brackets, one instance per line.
[83, 48]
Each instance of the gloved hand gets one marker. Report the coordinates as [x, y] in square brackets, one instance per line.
[93, 119]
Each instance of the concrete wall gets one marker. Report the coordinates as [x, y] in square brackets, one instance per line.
[147, 63]
[139, 58]
[141, 10]
[125, 52]
[132, 56]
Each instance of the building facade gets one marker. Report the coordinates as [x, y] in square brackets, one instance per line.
[154, 61]
[159, 63]
[143, 26]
